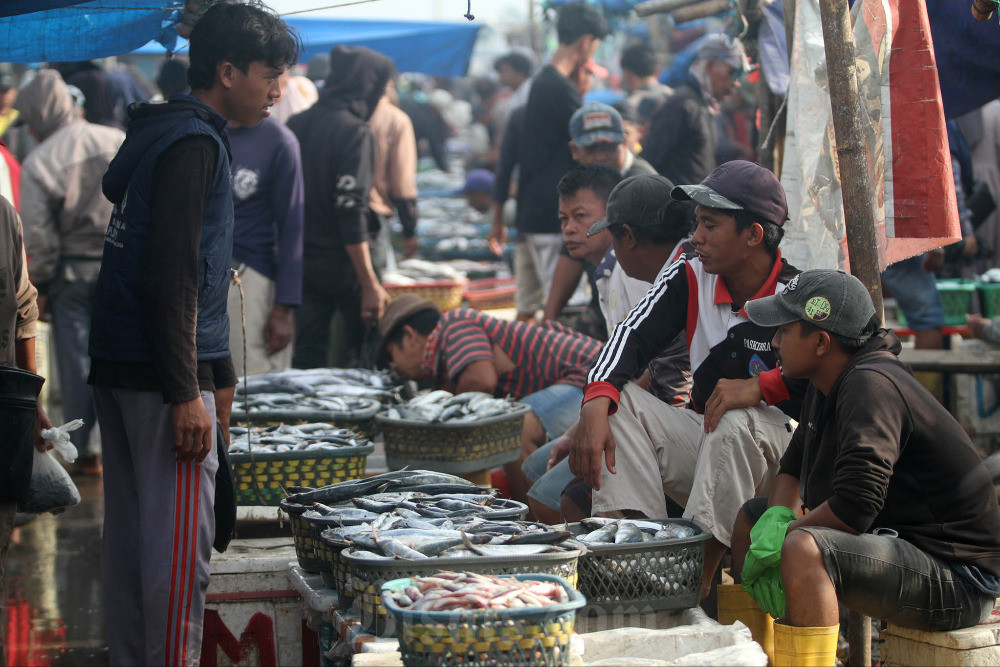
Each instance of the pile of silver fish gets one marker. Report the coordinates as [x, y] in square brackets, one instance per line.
[447, 591]
[444, 407]
[336, 387]
[411, 271]
[288, 438]
[424, 481]
[257, 403]
[632, 531]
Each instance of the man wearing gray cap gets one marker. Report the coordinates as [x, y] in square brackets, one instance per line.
[902, 521]
[630, 447]
[681, 140]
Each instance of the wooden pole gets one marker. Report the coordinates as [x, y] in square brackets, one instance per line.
[859, 215]
[699, 11]
[651, 7]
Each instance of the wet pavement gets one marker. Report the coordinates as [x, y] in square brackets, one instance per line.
[53, 587]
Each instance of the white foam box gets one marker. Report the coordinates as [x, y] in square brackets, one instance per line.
[253, 617]
[968, 647]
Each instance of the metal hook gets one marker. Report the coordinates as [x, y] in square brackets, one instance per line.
[468, 14]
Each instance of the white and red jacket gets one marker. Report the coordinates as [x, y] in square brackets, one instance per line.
[722, 342]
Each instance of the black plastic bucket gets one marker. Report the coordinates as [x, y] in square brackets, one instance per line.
[18, 399]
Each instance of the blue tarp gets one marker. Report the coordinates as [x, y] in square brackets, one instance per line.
[434, 48]
[85, 30]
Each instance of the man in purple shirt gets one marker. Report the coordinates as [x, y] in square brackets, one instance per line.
[267, 244]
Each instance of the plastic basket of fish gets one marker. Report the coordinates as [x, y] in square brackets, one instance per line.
[523, 620]
[302, 537]
[370, 571]
[641, 565]
[268, 460]
[353, 413]
[458, 434]
[446, 294]
[491, 293]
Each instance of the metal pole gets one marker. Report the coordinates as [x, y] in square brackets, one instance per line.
[651, 7]
[859, 216]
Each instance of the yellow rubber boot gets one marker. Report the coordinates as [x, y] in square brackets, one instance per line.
[805, 647]
[735, 604]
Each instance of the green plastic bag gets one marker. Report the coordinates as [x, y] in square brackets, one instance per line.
[762, 567]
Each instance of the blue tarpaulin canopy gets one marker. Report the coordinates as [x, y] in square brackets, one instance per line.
[71, 30]
[435, 48]
[62, 30]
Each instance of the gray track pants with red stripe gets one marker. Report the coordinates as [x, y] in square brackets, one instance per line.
[159, 525]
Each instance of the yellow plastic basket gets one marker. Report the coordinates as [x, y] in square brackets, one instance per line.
[446, 294]
[275, 472]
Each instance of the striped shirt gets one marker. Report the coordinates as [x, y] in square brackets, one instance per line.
[542, 355]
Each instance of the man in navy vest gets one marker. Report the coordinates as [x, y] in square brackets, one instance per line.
[159, 341]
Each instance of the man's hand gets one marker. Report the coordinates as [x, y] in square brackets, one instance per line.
[496, 238]
[43, 307]
[411, 246]
[593, 443]
[42, 421]
[374, 299]
[279, 330]
[192, 430]
[977, 325]
[730, 394]
[933, 260]
[561, 447]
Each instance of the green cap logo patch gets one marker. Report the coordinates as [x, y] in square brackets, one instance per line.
[817, 309]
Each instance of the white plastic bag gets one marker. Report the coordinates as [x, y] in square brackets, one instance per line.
[58, 437]
[51, 488]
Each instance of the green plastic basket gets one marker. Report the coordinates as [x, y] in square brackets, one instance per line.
[518, 637]
[276, 471]
[989, 294]
[956, 299]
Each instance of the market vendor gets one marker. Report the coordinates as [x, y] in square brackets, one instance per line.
[903, 522]
[629, 447]
[463, 350]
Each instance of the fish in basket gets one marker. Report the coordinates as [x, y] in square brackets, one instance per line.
[459, 434]
[466, 618]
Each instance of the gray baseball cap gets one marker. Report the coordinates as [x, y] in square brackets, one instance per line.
[832, 300]
[644, 201]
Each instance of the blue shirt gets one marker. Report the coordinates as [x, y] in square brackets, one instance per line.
[267, 200]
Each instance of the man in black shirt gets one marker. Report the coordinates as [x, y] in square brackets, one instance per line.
[902, 521]
[159, 341]
[545, 155]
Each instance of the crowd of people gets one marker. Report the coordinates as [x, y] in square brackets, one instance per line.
[225, 228]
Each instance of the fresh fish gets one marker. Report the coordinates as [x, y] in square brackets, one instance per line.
[601, 535]
[627, 533]
[450, 591]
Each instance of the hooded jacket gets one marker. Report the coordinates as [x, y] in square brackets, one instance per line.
[64, 212]
[338, 150]
[118, 330]
[884, 453]
[681, 140]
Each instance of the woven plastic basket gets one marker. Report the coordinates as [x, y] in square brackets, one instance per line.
[446, 294]
[275, 472]
[368, 576]
[301, 536]
[453, 448]
[645, 576]
[989, 294]
[361, 421]
[518, 637]
[956, 299]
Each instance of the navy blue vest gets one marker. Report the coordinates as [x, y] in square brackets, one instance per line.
[117, 330]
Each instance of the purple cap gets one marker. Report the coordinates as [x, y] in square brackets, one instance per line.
[739, 186]
[478, 180]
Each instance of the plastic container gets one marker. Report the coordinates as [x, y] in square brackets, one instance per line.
[302, 536]
[644, 576]
[524, 636]
[275, 472]
[491, 294]
[990, 298]
[456, 448]
[361, 421]
[368, 576]
[956, 299]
